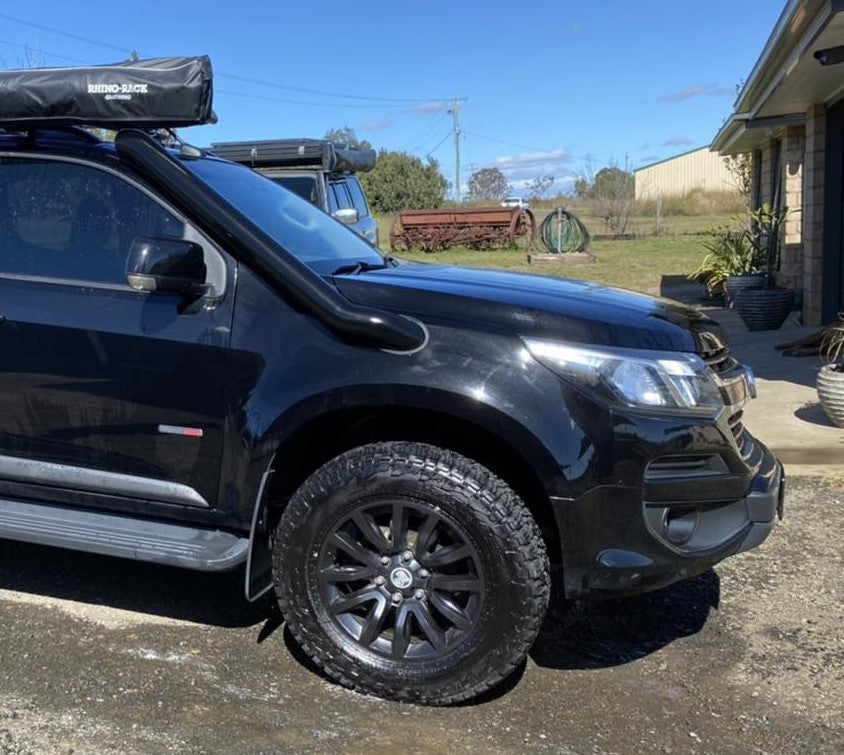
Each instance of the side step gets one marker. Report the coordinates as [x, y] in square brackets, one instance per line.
[123, 536]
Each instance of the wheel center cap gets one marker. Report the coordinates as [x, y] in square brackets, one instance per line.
[401, 578]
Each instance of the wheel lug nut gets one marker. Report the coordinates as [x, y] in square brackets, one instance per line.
[385, 560]
[396, 597]
[424, 573]
[419, 594]
[407, 556]
[379, 580]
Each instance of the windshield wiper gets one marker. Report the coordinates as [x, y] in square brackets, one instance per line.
[353, 268]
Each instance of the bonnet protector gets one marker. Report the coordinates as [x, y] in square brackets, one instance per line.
[294, 280]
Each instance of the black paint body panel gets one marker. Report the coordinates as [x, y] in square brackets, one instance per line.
[88, 375]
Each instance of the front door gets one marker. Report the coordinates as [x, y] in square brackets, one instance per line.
[109, 397]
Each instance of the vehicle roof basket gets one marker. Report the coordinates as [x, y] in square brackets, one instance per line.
[297, 153]
[155, 93]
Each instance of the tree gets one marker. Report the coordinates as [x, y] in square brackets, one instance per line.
[540, 185]
[488, 183]
[741, 171]
[401, 182]
[346, 135]
[610, 193]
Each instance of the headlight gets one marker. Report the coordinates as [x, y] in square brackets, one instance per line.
[656, 379]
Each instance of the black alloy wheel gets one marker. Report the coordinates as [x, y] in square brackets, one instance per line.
[410, 572]
[401, 579]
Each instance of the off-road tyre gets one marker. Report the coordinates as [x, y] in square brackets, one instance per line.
[506, 580]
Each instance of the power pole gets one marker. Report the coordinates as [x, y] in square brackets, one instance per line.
[454, 111]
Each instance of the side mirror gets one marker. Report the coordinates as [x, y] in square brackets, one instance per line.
[163, 264]
[346, 215]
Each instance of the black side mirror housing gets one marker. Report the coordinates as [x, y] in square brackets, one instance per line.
[165, 264]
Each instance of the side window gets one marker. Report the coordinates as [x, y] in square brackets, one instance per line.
[338, 197]
[70, 221]
[358, 198]
[304, 186]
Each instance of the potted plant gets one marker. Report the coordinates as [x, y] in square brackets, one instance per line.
[831, 376]
[730, 263]
[766, 305]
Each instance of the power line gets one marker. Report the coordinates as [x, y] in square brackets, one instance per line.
[221, 74]
[422, 134]
[44, 52]
[321, 92]
[440, 143]
[270, 98]
[60, 32]
[527, 146]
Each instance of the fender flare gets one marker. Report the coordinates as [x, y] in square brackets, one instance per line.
[464, 408]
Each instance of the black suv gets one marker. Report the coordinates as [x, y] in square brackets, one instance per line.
[320, 171]
[202, 369]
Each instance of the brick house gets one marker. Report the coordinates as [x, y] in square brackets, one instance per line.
[790, 116]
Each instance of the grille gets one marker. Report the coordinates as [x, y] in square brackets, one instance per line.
[686, 465]
[748, 450]
[720, 361]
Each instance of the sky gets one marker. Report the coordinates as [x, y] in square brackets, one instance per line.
[548, 87]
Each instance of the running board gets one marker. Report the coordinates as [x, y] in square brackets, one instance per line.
[123, 536]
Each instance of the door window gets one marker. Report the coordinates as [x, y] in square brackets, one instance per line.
[338, 196]
[69, 221]
[358, 198]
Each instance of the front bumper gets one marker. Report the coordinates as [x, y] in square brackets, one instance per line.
[615, 543]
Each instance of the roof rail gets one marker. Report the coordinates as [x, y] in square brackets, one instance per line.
[78, 131]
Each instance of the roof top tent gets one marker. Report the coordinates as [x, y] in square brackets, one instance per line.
[297, 153]
[151, 94]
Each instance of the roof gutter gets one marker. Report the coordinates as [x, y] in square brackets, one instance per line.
[783, 22]
[294, 280]
[750, 100]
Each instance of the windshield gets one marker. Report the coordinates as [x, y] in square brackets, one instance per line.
[301, 229]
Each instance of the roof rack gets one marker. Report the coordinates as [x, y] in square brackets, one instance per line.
[155, 93]
[32, 131]
[297, 153]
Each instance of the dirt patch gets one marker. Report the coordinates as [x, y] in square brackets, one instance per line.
[745, 658]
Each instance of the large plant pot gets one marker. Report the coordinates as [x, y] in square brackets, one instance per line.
[764, 308]
[736, 283]
[831, 392]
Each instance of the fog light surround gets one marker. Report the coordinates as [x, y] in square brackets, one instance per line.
[678, 525]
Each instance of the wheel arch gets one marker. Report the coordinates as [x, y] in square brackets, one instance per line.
[330, 425]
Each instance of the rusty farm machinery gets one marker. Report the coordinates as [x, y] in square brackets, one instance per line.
[475, 227]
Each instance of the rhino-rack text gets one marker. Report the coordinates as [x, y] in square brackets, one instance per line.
[117, 88]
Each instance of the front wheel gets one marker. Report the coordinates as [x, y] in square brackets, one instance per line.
[411, 573]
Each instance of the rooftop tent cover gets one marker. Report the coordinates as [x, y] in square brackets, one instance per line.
[155, 93]
[297, 153]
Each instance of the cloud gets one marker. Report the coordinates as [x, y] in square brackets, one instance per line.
[647, 159]
[426, 107]
[376, 125]
[696, 90]
[532, 158]
[677, 141]
[521, 169]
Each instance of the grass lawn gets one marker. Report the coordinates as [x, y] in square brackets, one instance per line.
[637, 264]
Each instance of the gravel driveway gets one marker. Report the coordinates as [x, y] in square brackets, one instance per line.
[100, 655]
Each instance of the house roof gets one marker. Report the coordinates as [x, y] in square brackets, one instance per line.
[786, 79]
[673, 157]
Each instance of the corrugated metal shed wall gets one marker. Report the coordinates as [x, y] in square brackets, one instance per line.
[677, 175]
